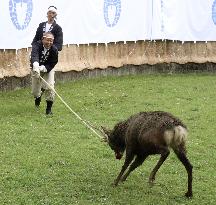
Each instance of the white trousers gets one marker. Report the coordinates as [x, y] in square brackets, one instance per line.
[37, 84]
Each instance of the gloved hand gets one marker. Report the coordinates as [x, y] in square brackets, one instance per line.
[36, 69]
[42, 68]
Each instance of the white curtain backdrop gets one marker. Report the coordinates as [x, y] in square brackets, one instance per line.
[104, 21]
[189, 20]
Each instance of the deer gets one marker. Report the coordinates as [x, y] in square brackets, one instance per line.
[148, 133]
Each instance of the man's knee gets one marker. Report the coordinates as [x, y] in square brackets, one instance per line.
[50, 95]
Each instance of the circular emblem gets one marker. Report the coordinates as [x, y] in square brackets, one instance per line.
[112, 11]
[214, 12]
[20, 7]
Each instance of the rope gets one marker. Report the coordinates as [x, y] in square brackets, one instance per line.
[87, 124]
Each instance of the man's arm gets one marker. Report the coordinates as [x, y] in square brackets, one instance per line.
[35, 53]
[58, 41]
[37, 36]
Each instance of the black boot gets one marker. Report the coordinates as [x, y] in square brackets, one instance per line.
[49, 107]
[37, 101]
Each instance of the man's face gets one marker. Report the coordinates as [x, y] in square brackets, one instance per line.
[48, 41]
[51, 15]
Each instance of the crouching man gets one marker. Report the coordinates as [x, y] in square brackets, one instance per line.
[44, 57]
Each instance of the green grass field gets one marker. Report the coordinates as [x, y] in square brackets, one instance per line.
[57, 160]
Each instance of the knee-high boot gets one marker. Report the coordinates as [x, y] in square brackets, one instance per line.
[37, 101]
[49, 107]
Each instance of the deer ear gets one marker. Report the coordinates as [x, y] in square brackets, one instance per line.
[106, 133]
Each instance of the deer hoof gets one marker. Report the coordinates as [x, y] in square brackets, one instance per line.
[151, 180]
[114, 184]
[188, 194]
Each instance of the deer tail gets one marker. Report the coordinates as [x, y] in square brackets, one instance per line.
[176, 137]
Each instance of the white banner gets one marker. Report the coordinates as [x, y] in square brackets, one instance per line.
[189, 20]
[104, 21]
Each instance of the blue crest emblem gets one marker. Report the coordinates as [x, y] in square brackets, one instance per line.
[20, 13]
[214, 12]
[112, 11]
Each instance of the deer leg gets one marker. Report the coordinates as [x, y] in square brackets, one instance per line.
[128, 160]
[164, 154]
[181, 154]
[137, 162]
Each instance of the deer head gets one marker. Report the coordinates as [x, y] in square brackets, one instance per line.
[108, 134]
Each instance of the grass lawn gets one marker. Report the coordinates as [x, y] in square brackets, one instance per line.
[57, 160]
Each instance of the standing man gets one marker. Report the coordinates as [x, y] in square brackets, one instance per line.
[44, 57]
[50, 26]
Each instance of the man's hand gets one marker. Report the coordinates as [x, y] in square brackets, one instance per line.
[42, 68]
[36, 69]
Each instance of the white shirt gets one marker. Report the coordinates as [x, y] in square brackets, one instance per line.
[48, 25]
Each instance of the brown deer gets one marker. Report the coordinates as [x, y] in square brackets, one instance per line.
[149, 133]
